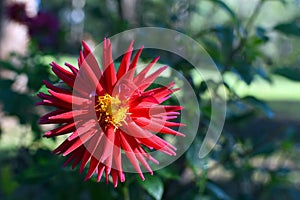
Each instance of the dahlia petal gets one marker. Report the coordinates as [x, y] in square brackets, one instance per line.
[62, 147]
[69, 98]
[149, 80]
[74, 155]
[83, 127]
[91, 60]
[117, 156]
[79, 142]
[62, 70]
[114, 176]
[158, 144]
[72, 68]
[125, 142]
[152, 125]
[109, 73]
[141, 76]
[92, 76]
[45, 118]
[167, 123]
[63, 74]
[161, 92]
[134, 62]
[93, 166]
[144, 162]
[140, 134]
[142, 111]
[136, 131]
[91, 147]
[124, 65]
[141, 158]
[109, 143]
[108, 163]
[56, 89]
[67, 128]
[101, 169]
[80, 151]
[80, 59]
[143, 101]
[68, 115]
[148, 156]
[71, 157]
[56, 104]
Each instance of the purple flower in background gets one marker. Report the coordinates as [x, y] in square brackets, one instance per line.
[43, 29]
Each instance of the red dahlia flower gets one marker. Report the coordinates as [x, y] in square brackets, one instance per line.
[109, 114]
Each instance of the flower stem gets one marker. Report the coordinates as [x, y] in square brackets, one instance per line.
[125, 192]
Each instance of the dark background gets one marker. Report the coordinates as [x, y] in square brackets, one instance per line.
[255, 45]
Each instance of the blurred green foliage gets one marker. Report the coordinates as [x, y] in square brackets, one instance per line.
[257, 156]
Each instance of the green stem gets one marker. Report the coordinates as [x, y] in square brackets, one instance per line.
[254, 15]
[125, 191]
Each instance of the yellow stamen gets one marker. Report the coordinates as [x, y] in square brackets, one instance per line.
[112, 110]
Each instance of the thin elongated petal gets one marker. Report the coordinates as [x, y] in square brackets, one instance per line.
[138, 80]
[126, 142]
[124, 65]
[134, 62]
[108, 66]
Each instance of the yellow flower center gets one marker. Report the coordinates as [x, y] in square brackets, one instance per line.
[112, 110]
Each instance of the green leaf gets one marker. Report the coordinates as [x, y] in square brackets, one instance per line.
[288, 72]
[8, 185]
[154, 186]
[226, 8]
[225, 35]
[43, 89]
[169, 173]
[7, 65]
[259, 104]
[217, 191]
[290, 28]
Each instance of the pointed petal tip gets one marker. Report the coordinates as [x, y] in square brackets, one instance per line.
[116, 184]
[180, 134]
[48, 134]
[122, 178]
[38, 104]
[83, 43]
[142, 176]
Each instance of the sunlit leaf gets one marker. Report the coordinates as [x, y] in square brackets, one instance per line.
[154, 186]
[288, 72]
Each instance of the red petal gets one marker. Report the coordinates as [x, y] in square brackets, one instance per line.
[126, 142]
[108, 138]
[117, 156]
[109, 73]
[69, 98]
[134, 62]
[72, 68]
[100, 171]
[148, 80]
[90, 150]
[124, 65]
[79, 142]
[63, 74]
[141, 76]
[153, 125]
[56, 89]
[67, 128]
